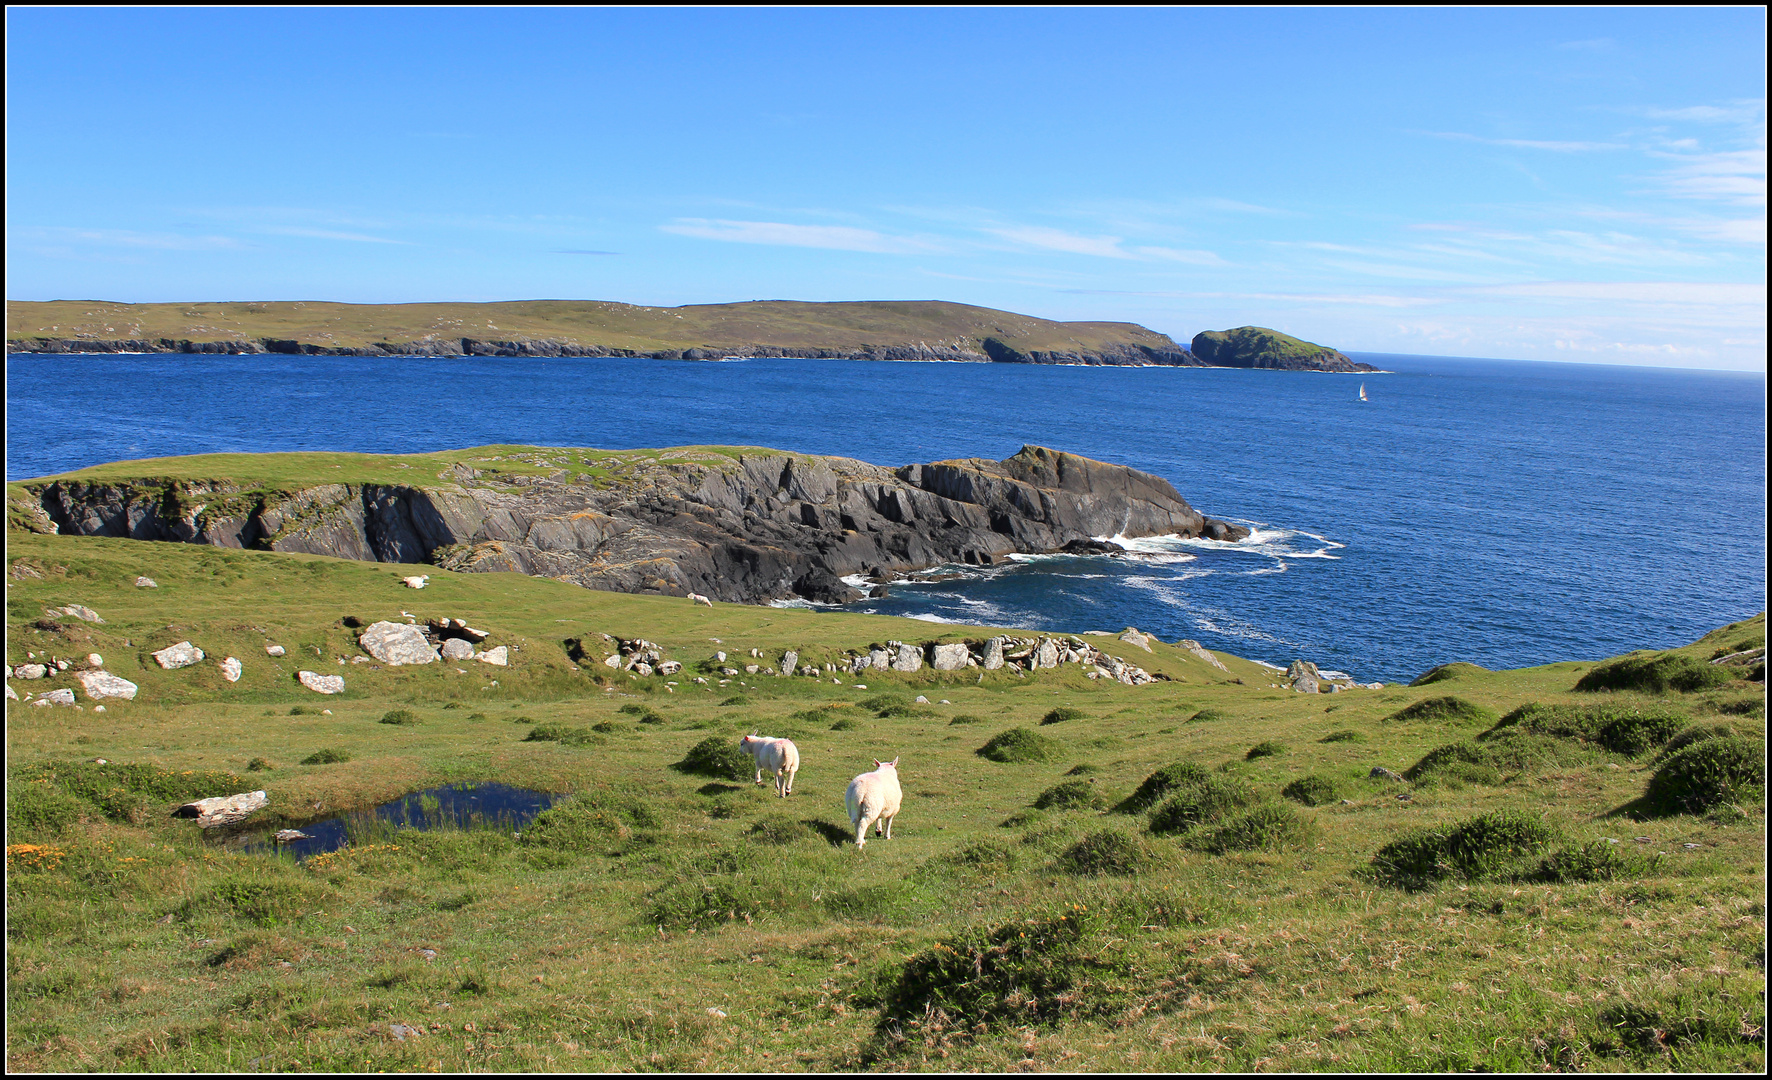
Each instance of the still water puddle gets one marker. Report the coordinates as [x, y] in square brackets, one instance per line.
[476, 806]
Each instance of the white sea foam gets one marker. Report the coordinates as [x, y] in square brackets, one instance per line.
[858, 581]
[925, 616]
[1270, 667]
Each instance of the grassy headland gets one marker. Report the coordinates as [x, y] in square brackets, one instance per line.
[1264, 902]
[939, 328]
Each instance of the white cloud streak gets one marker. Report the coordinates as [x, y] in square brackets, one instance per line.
[783, 234]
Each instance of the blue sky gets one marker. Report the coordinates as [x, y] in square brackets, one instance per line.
[1532, 184]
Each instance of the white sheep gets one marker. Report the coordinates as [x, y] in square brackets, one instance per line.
[873, 799]
[779, 756]
[697, 598]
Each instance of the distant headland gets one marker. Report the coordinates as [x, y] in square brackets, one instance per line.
[854, 330]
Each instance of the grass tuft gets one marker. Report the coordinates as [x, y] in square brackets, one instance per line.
[1020, 745]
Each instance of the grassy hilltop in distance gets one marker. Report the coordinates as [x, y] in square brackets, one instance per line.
[865, 330]
[1563, 867]
[876, 329]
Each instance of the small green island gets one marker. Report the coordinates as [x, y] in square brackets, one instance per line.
[857, 330]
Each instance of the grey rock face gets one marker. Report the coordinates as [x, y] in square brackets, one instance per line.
[31, 671]
[395, 644]
[950, 657]
[1195, 648]
[909, 658]
[1046, 655]
[458, 649]
[789, 661]
[1379, 772]
[879, 658]
[993, 654]
[1303, 667]
[751, 529]
[82, 612]
[321, 684]
[184, 654]
[1304, 684]
[64, 696]
[1132, 637]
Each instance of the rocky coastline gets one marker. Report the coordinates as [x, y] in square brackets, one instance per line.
[750, 527]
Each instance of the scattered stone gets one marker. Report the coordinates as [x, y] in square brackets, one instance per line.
[1306, 684]
[81, 612]
[1379, 772]
[31, 671]
[321, 684]
[909, 658]
[415, 582]
[11, 694]
[789, 661]
[458, 649]
[395, 644]
[879, 659]
[1046, 654]
[102, 684]
[61, 665]
[921, 700]
[94, 660]
[993, 654]
[720, 657]
[950, 657]
[668, 667]
[230, 669]
[501, 657]
[402, 1032]
[184, 654]
[223, 809]
[64, 696]
[1132, 637]
[1303, 668]
[98, 708]
[146, 583]
[751, 669]
[1196, 649]
[273, 650]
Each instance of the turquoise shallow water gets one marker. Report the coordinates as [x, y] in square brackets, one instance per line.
[1499, 512]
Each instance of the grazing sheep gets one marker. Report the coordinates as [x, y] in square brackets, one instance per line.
[873, 799]
[779, 756]
[697, 598]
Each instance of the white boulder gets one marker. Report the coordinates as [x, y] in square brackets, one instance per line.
[64, 696]
[230, 669]
[397, 643]
[82, 612]
[321, 684]
[415, 582]
[273, 650]
[950, 657]
[146, 583]
[501, 657]
[222, 810]
[909, 658]
[94, 660]
[458, 649]
[103, 684]
[184, 654]
[31, 671]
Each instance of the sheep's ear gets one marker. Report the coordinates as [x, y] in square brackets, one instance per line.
[895, 763]
[878, 763]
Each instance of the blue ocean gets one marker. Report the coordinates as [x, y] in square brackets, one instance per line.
[1499, 512]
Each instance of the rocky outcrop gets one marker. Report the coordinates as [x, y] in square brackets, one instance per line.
[751, 528]
[1259, 347]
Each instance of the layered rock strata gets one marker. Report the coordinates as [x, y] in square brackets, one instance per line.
[747, 528]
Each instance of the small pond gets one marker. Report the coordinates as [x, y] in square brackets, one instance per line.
[462, 806]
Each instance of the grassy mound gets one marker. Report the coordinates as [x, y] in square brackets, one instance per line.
[328, 756]
[1707, 774]
[1485, 846]
[565, 734]
[1601, 860]
[1033, 971]
[719, 758]
[399, 716]
[1445, 710]
[1160, 783]
[1446, 671]
[1265, 748]
[1071, 795]
[1106, 852]
[1311, 791]
[1061, 714]
[1694, 734]
[1657, 674]
[1203, 802]
[1621, 729]
[1020, 744]
[1272, 827]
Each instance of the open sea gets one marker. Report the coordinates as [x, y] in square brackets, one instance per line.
[1500, 512]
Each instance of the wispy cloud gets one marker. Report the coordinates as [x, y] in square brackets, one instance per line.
[326, 234]
[1732, 176]
[127, 238]
[834, 237]
[581, 251]
[1556, 146]
[1107, 247]
[1650, 292]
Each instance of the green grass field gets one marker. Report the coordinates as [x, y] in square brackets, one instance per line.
[1263, 905]
[780, 323]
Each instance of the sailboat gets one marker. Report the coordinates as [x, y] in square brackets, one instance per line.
[1363, 396]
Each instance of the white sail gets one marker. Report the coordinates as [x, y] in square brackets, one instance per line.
[1363, 396]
